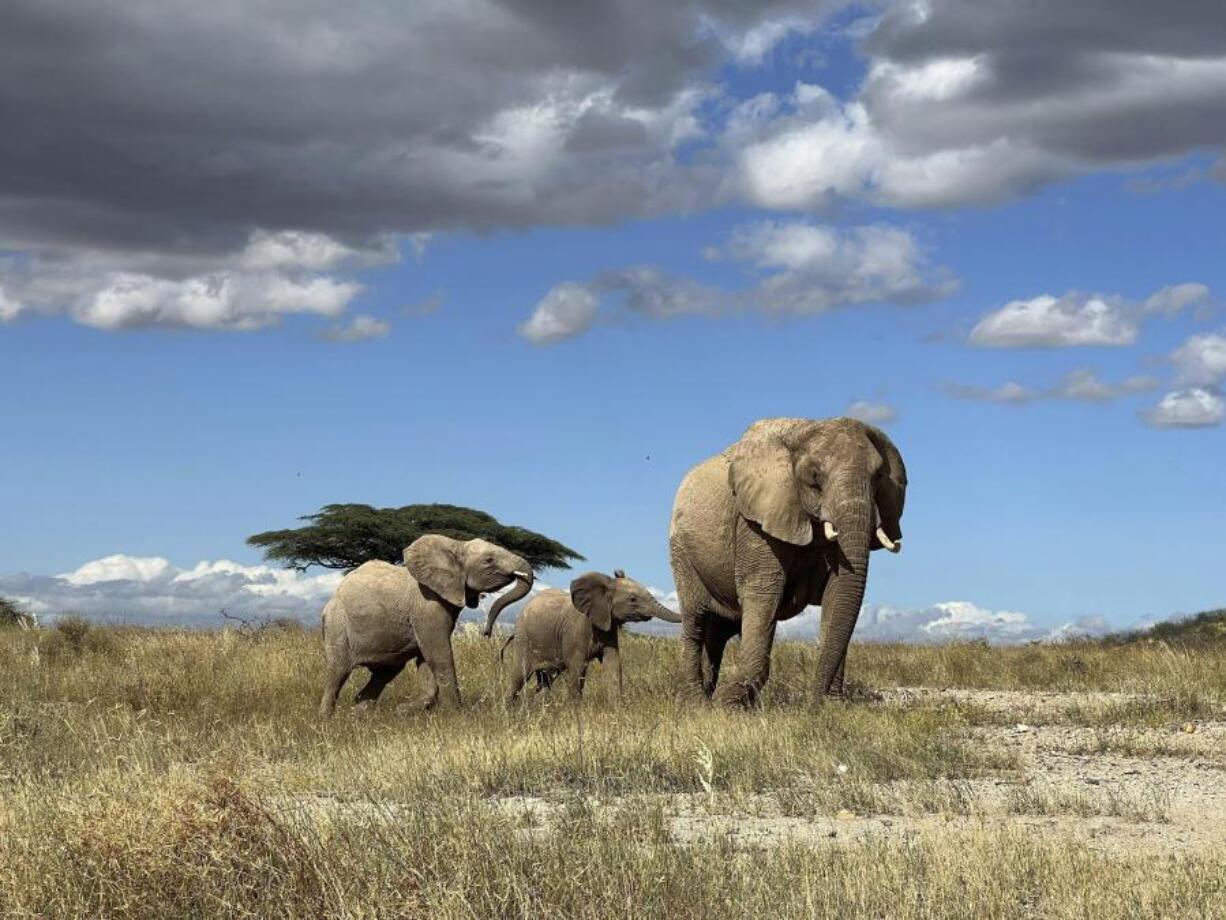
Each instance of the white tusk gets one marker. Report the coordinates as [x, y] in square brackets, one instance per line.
[522, 574]
[892, 545]
[831, 533]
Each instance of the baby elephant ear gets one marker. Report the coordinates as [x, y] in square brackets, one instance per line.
[764, 484]
[435, 562]
[592, 596]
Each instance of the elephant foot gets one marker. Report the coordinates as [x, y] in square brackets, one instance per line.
[693, 695]
[737, 696]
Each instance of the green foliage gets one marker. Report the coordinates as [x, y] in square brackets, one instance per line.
[13, 616]
[345, 536]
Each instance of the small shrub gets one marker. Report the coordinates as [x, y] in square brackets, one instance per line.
[74, 636]
[13, 617]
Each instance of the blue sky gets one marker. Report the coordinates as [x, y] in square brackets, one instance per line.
[179, 370]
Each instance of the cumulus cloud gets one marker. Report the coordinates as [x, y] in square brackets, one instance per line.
[1078, 319]
[567, 309]
[272, 276]
[1194, 407]
[873, 413]
[361, 328]
[1201, 359]
[150, 589]
[949, 621]
[1048, 321]
[972, 102]
[793, 267]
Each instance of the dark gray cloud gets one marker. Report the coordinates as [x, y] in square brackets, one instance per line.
[973, 101]
[184, 126]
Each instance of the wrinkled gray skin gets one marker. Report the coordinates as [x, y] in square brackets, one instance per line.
[383, 616]
[562, 633]
[748, 545]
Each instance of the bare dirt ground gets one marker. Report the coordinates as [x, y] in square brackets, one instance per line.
[1113, 787]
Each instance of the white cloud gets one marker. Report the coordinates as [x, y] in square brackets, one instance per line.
[274, 276]
[873, 413]
[361, 328]
[1071, 320]
[567, 310]
[797, 268]
[120, 568]
[149, 589]
[9, 309]
[1194, 407]
[1201, 359]
[949, 621]
[817, 268]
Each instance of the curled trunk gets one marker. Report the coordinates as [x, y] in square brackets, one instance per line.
[520, 590]
[845, 590]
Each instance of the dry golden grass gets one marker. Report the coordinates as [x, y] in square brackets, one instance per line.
[184, 774]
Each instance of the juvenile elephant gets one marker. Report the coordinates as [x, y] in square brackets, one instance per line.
[782, 519]
[383, 616]
[561, 633]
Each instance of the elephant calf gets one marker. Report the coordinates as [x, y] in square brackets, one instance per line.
[561, 633]
[383, 616]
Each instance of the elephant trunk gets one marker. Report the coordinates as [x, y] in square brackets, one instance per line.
[663, 613]
[523, 584]
[845, 589]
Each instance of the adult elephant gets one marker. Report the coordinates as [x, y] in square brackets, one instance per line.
[383, 616]
[782, 519]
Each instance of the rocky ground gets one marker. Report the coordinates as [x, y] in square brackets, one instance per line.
[1111, 786]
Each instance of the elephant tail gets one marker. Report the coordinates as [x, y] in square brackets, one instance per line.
[502, 651]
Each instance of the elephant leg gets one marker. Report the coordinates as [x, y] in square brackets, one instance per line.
[717, 634]
[515, 684]
[611, 659]
[429, 685]
[333, 683]
[576, 677]
[433, 628]
[380, 677]
[691, 600]
[754, 660]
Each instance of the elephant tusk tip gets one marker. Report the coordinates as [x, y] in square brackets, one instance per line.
[524, 575]
[829, 530]
[893, 546]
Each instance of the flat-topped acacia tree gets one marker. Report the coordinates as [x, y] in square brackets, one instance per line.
[345, 536]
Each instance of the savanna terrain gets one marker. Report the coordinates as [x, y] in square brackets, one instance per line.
[164, 773]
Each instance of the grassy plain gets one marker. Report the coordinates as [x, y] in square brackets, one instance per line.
[161, 773]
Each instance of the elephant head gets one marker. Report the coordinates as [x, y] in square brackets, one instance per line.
[836, 482]
[460, 571]
[609, 602]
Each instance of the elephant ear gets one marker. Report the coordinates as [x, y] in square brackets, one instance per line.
[435, 562]
[592, 595]
[763, 481]
[891, 492]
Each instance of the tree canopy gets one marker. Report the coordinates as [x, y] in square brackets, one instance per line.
[345, 536]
